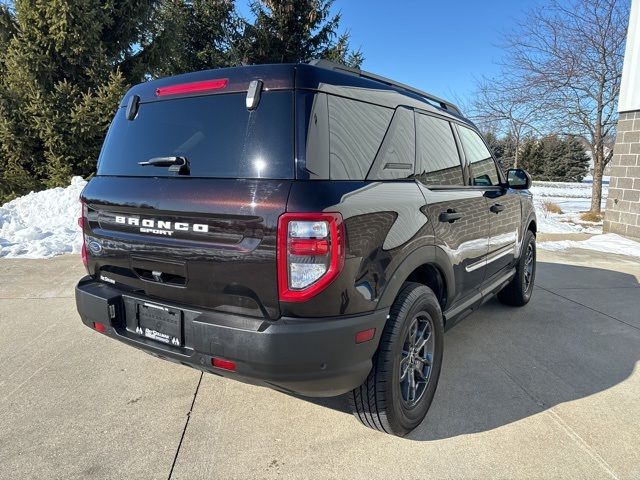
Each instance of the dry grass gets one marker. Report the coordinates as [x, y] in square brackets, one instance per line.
[551, 207]
[591, 217]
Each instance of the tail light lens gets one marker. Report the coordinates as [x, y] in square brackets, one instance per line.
[310, 253]
[81, 223]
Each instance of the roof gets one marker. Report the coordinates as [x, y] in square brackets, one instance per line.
[319, 76]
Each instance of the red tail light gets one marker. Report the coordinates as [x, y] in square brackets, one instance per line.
[310, 247]
[310, 253]
[81, 224]
[193, 87]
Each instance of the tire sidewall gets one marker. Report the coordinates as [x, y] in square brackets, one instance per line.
[408, 418]
[530, 239]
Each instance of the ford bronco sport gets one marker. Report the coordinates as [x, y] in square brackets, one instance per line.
[311, 228]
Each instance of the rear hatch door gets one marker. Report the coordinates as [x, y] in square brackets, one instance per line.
[202, 236]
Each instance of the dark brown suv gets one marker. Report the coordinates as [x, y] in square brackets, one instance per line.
[310, 228]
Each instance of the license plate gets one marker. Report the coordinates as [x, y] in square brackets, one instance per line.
[159, 323]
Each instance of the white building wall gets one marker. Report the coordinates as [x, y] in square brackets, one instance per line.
[622, 213]
[630, 87]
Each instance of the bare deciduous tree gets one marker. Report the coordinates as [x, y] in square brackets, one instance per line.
[565, 61]
[499, 106]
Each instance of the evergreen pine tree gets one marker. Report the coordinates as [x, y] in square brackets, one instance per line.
[531, 157]
[503, 149]
[553, 152]
[576, 160]
[200, 35]
[66, 65]
[289, 31]
[564, 159]
[7, 30]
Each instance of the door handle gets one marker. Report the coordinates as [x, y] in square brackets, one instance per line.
[450, 216]
[497, 208]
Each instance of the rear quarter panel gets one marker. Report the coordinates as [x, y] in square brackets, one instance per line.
[384, 223]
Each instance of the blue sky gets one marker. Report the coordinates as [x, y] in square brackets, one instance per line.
[437, 46]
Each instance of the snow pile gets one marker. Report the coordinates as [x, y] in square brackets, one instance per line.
[42, 224]
[573, 199]
[608, 243]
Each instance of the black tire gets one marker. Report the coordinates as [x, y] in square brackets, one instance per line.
[383, 402]
[518, 292]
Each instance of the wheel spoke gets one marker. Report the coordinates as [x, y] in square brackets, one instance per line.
[421, 374]
[413, 334]
[422, 343]
[404, 368]
[424, 360]
[412, 386]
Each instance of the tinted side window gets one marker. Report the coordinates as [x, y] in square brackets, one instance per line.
[395, 159]
[483, 169]
[437, 158]
[356, 130]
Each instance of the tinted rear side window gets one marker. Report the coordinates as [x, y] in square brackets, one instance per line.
[216, 134]
[437, 157]
[395, 159]
[356, 130]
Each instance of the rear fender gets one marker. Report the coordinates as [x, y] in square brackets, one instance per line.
[431, 255]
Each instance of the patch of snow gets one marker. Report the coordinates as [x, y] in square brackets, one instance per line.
[565, 189]
[42, 224]
[608, 243]
[573, 199]
[549, 223]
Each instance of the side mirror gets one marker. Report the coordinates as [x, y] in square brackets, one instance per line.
[518, 179]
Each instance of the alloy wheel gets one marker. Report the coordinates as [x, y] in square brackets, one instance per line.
[416, 359]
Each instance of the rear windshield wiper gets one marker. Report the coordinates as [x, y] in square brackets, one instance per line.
[175, 164]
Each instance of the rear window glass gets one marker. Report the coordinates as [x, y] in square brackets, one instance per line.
[216, 134]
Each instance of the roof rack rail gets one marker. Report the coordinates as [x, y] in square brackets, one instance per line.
[320, 62]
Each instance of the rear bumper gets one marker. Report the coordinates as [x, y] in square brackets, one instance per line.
[311, 357]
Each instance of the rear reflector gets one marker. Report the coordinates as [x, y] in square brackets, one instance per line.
[193, 87]
[365, 335]
[99, 327]
[224, 364]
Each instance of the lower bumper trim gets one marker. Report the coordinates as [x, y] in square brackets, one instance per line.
[315, 357]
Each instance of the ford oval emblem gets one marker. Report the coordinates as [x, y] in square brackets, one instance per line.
[95, 247]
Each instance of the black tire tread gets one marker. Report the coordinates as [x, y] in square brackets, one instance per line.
[512, 294]
[367, 402]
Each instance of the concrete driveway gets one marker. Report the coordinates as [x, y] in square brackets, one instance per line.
[548, 391]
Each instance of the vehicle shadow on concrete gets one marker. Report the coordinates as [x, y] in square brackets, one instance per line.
[504, 364]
